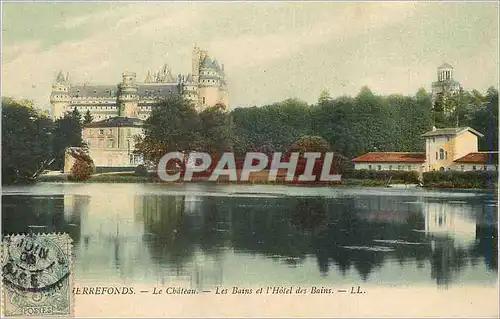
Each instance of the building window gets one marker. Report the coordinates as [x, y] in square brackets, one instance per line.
[110, 143]
[447, 139]
[446, 155]
[462, 168]
[101, 132]
[441, 154]
[110, 131]
[203, 100]
[369, 167]
[436, 155]
[379, 167]
[474, 168]
[100, 143]
[433, 140]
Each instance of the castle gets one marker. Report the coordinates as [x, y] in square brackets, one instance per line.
[205, 86]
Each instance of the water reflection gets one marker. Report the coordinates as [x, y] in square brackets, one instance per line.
[213, 240]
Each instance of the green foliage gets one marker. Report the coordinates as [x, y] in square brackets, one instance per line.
[87, 118]
[270, 128]
[141, 170]
[67, 133]
[408, 177]
[324, 97]
[484, 118]
[216, 129]
[81, 170]
[309, 144]
[470, 109]
[455, 179]
[173, 125]
[26, 140]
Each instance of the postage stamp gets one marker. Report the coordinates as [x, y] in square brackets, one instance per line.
[37, 275]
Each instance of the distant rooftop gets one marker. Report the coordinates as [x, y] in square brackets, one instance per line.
[479, 158]
[391, 157]
[445, 66]
[118, 121]
[451, 131]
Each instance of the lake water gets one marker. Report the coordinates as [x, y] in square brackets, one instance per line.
[206, 235]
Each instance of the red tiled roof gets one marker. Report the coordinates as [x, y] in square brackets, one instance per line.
[391, 157]
[479, 157]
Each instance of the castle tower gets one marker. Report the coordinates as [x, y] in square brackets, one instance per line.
[189, 88]
[60, 98]
[210, 83]
[445, 84]
[128, 96]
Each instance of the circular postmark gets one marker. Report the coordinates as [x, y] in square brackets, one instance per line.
[34, 263]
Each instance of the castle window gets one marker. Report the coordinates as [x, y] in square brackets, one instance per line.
[101, 132]
[110, 143]
[203, 100]
[473, 168]
[436, 155]
[100, 143]
[446, 155]
[441, 154]
[110, 131]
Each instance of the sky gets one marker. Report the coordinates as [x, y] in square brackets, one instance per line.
[271, 50]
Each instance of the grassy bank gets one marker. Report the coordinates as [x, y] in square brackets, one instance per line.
[457, 180]
[131, 177]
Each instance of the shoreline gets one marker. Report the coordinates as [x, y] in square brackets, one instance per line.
[130, 177]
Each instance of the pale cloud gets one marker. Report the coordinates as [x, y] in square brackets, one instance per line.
[248, 51]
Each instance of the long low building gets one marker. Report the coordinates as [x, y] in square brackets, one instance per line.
[388, 161]
[445, 149]
[478, 161]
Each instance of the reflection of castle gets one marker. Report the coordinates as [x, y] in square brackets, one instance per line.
[164, 238]
[140, 237]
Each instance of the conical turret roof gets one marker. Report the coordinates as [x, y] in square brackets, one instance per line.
[60, 78]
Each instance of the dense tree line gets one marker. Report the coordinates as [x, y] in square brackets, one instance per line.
[30, 139]
[350, 125]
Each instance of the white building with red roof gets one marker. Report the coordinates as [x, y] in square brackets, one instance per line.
[445, 149]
